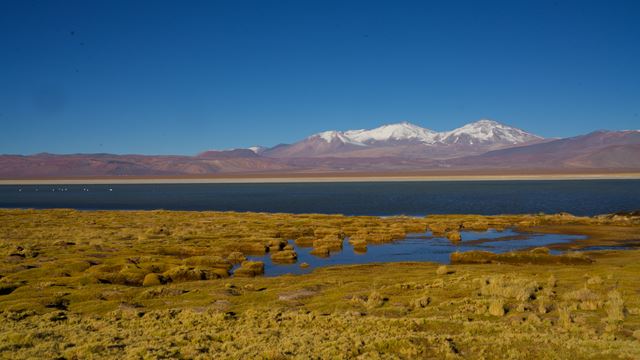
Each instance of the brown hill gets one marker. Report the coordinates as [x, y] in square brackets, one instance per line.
[600, 149]
[49, 165]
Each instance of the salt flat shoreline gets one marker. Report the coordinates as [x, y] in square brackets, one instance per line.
[316, 179]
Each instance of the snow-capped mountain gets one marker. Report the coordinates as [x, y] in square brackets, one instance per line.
[406, 139]
[403, 131]
[486, 131]
[391, 149]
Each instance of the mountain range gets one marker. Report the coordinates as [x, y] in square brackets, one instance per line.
[407, 140]
[484, 145]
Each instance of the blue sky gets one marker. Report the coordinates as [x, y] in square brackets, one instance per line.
[176, 77]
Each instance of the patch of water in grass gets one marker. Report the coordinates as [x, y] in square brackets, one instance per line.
[417, 247]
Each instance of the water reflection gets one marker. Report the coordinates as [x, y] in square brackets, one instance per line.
[417, 247]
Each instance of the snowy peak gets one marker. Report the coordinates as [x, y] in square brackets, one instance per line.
[257, 149]
[487, 132]
[480, 132]
[333, 137]
[403, 131]
[393, 132]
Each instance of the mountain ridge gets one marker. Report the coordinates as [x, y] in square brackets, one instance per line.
[394, 148]
[473, 138]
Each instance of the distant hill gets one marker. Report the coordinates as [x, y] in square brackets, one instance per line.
[48, 165]
[600, 149]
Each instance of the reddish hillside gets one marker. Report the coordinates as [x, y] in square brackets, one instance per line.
[48, 165]
[600, 149]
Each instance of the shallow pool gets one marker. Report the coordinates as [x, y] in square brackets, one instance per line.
[416, 247]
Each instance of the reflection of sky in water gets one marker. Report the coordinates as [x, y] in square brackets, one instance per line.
[417, 247]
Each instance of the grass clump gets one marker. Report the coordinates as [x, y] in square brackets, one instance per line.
[454, 236]
[250, 269]
[236, 257]
[284, 256]
[509, 287]
[584, 298]
[444, 270]
[190, 273]
[332, 243]
[535, 256]
[321, 251]
[214, 262]
[497, 308]
[153, 279]
[375, 300]
[615, 308]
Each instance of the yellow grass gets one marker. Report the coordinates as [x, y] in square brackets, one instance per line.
[71, 286]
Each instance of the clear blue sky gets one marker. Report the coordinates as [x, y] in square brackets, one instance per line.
[180, 77]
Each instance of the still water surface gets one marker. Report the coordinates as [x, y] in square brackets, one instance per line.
[417, 247]
[581, 197]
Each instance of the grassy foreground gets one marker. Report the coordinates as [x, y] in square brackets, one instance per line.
[158, 284]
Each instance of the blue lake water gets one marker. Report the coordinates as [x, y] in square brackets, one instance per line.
[581, 197]
[417, 247]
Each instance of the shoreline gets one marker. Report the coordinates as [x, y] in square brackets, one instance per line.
[304, 178]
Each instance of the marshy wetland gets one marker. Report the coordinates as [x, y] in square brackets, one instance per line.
[170, 284]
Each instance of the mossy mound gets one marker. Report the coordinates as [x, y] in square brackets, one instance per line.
[190, 273]
[250, 269]
[236, 257]
[519, 257]
[153, 279]
[321, 251]
[284, 256]
[330, 242]
[454, 236]
[214, 262]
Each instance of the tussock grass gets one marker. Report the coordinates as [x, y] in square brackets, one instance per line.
[509, 287]
[250, 269]
[284, 256]
[535, 256]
